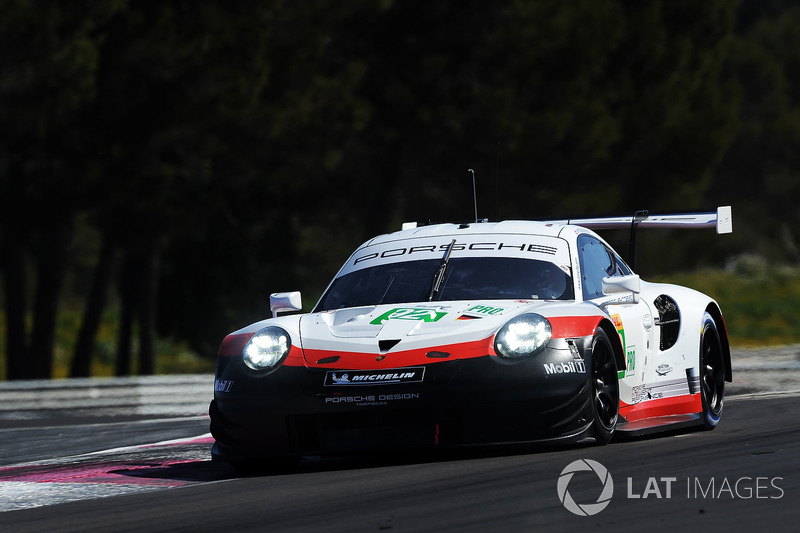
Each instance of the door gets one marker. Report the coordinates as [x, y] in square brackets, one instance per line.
[631, 315]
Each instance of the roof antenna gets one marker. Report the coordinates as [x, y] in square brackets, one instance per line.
[497, 181]
[474, 194]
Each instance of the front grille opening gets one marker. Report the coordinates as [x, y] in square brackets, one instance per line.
[401, 428]
[387, 344]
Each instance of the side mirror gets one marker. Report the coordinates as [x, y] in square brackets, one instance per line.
[285, 301]
[618, 284]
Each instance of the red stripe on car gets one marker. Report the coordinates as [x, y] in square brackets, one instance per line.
[676, 405]
[233, 344]
[573, 326]
[374, 361]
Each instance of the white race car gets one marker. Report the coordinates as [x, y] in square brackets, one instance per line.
[479, 333]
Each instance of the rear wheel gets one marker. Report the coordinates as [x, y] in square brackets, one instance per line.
[605, 388]
[712, 373]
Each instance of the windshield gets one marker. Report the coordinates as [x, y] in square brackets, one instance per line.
[466, 278]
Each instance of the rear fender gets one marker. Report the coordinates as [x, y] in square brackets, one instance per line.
[716, 314]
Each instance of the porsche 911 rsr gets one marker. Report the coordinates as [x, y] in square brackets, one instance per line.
[482, 333]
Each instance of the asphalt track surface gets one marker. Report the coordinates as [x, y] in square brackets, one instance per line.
[140, 474]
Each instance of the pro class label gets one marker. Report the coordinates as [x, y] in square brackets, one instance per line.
[349, 378]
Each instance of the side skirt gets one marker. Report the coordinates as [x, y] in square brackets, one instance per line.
[657, 424]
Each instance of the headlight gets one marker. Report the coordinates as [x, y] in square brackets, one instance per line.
[522, 336]
[266, 349]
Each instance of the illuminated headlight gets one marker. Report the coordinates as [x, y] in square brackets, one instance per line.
[522, 336]
[266, 349]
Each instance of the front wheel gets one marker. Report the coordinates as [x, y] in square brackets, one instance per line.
[712, 373]
[605, 388]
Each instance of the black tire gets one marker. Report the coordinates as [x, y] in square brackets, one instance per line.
[712, 373]
[605, 388]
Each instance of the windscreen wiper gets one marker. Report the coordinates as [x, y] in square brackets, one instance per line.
[386, 291]
[439, 277]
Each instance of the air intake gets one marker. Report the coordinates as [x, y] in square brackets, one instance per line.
[387, 344]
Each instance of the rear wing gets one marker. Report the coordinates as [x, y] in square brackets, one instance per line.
[722, 220]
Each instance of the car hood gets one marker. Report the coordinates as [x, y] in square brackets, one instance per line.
[402, 327]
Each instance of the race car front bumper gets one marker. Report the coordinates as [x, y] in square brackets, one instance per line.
[298, 411]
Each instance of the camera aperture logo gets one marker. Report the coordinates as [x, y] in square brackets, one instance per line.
[741, 488]
[585, 509]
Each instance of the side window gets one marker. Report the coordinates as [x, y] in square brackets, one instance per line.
[620, 268]
[597, 262]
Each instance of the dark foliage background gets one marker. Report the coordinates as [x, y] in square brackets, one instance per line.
[190, 157]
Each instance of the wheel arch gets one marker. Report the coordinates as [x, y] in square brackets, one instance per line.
[611, 332]
[716, 313]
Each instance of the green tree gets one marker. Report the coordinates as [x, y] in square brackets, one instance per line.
[49, 66]
[227, 150]
[563, 108]
[214, 121]
[761, 170]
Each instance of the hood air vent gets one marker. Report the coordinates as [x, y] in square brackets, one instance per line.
[387, 344]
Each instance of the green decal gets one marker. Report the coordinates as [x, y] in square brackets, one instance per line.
[484, 310]
[631, 360]
[406, 313]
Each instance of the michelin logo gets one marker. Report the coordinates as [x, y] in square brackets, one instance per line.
[567, 367]
[374, 377]
[343, 380]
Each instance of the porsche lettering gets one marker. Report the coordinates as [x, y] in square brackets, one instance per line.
[457, 247]
[372, 398]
